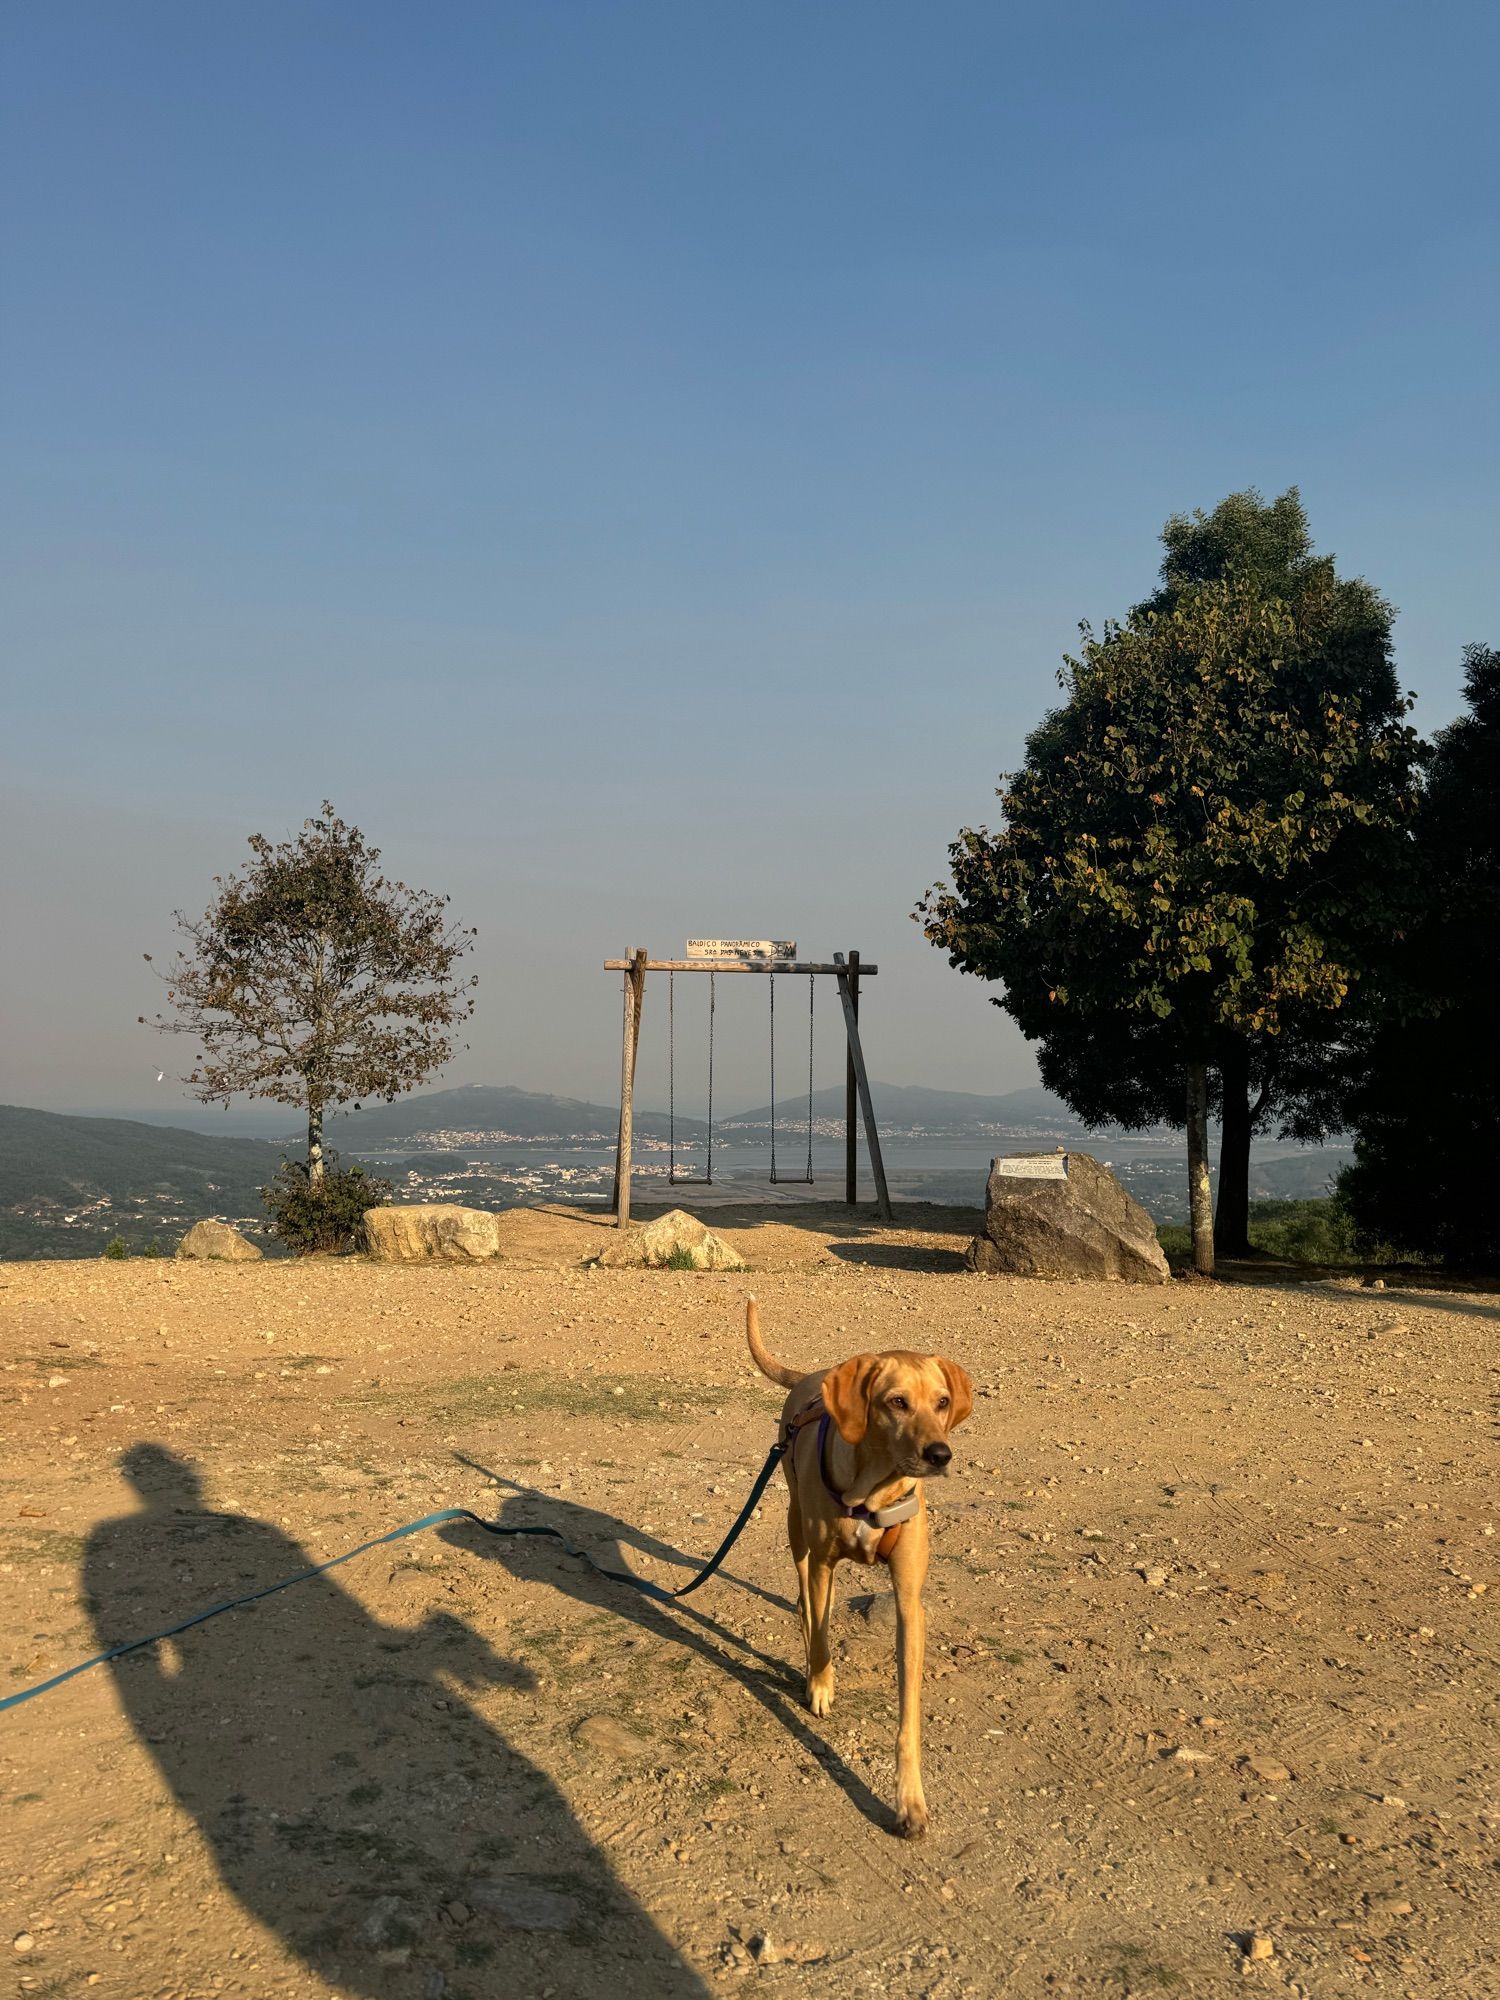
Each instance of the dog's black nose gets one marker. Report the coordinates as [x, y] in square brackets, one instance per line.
[938, 1453]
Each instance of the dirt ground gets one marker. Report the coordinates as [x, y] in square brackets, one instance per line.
[1208, 1648]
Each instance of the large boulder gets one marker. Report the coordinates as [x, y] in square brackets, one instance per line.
[218, 1239]
[424, 1230]
[1063, 1215]
[675, 1237]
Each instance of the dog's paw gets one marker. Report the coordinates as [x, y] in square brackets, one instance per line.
[911, 1824]
[820, 1693]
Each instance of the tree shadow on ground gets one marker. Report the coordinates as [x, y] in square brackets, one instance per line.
[774, 1683]
[347, 1792]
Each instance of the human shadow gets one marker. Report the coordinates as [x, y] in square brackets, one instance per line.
[355, 1804]
[775, 1684]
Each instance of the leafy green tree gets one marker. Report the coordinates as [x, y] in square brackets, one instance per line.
[1426, 1114]
[1297, 1080]
[1197, 855]
[314, 980]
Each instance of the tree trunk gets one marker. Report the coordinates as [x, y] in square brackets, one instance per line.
[1232, 1219]
[315, 1145]
[1200, 1194]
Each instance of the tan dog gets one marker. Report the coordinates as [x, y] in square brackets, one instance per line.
[862, 1438]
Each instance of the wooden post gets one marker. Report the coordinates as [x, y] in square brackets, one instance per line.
[851, 1087]
[857, 1059]
[635, 993]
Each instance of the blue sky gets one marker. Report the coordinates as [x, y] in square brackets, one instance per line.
[644, 463]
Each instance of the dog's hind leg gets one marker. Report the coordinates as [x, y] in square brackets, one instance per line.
[798, 1540]
[908, 1573]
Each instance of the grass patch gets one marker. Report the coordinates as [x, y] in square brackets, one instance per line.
[1135, 1969]
[1001, 1649]
[474, 1398]
[1318, 1231]
[45, 1545]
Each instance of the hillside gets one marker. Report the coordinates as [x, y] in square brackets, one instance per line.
[494, 1110]
[113, 1175]
[906, 1106]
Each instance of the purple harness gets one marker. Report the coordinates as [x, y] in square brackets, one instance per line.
[875, 1517]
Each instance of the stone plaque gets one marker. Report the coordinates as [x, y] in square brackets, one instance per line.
[1034, 1167]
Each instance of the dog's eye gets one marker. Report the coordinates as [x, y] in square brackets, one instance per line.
[942, 1402]
[898, 1403]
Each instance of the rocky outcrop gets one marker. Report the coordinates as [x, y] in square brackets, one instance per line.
[1063, 1215]
[674, 1238]
[221, 1240]
[426, 1230]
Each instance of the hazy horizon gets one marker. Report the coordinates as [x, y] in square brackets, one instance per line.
[645, 466]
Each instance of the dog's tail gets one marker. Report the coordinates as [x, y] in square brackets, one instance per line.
[766, 1363]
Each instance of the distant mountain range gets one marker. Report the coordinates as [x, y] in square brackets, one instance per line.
[488, 1107]
[68, 1184]
[529, 1114]
[912, 1107]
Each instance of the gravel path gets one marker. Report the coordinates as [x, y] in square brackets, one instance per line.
[1209, 1654]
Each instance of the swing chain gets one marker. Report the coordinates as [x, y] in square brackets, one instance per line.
[674, 1179]
[810, 984]
[806, 1177]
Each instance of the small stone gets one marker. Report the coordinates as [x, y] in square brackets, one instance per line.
[1183, 1754]
[218, 1242]
[607, 1735]
[1387, 1906]
[56, 1381]
[1268, 1770]
[525, 1906]
[23, 1941]
[672, 1239]
[765, 1951]
[1259, 1946]
[458, 1911]
[1391, 1799]
[1152, 1575]
[877, 1610]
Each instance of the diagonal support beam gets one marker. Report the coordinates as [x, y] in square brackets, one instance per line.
[862, 1082]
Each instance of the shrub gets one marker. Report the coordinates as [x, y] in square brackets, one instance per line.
[681, 1259]
[1319, 1230]
[326, 1217]
[116, 1247]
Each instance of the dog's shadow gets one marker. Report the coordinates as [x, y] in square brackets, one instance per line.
[776, 1685]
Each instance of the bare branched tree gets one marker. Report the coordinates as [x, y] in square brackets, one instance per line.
[314, 981]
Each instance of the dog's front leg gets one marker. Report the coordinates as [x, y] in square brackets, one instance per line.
[819, 1646]
[908, 1574]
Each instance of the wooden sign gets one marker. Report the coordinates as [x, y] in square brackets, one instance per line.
[741, 948]
[1033, 1167]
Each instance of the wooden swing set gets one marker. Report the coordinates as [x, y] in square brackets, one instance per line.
[771, 961]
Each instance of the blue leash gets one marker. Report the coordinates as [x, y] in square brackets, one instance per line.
[640, 1583]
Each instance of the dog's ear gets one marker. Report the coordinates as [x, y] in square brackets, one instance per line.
[960, 1391]
[846, 1395]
